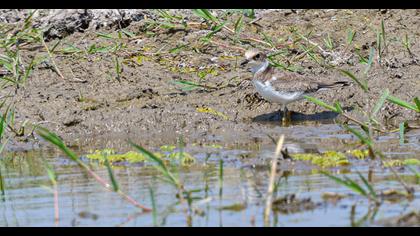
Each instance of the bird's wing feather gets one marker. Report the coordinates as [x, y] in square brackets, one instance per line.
[292, 83]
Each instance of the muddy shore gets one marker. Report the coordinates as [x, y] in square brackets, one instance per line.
[144, 102]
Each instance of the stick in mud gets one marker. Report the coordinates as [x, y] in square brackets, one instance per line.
[268, 204]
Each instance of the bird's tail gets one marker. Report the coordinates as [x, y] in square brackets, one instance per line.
[334, 85]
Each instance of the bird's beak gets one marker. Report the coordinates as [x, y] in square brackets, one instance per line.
[244, 62]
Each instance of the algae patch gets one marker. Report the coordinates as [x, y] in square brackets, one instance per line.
[131, 156]
[213, 112]
[335, 159]
[167, 153]
[359, 154]
[406, 162]
[324, 160]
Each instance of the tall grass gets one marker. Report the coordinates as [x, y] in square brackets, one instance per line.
[183, 194]
[221, 178]
[365, 135]
[269, 200]
[367, 192]
[369, 123]
[53, 179]
[55, 140]
[154, 209]
[2, 185]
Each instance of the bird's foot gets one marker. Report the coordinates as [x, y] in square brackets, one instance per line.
[286, 118]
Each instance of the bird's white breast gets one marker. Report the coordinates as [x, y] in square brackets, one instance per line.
[270, 94]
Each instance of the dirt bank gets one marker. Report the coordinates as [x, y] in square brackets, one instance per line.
[143, 100]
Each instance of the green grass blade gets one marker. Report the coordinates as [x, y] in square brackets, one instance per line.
[362, 60]
[402, 103]
[338, 107]
[347, 182]
[321, 103]
[370, 60]
[368, 185]
[114, 182]
[104, 35]
[328, 42]
[178, 48]
[188, 85]
[415, 172]
[160, 165]
[3, 145]
[220, 177]
[29, 69]
[1, 127]
[218, 27]
[209, 15]
[205, 14]
[214, 30]
[362, 138]
[50, 171]
[249, 13]
[54, 139]
[355, 186]
[362, 84]
[154, 210]
[379, 43]
[167, 25]
[27, 21]
[403, 125]
[383, 32]
[239, 24]
[336, 179]
[350, 36]
[55, 46]
[70, 49]
[417, 102]
[381, 102]
[2, 186]
[269, 41]
[128, 33]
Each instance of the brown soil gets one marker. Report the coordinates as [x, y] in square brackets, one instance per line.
[146, 105]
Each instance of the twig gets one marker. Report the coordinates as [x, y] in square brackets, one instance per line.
[315, 44]
[228, 46]
[257, 41]
[361, 123]
[51, 57]
[52, 138]
[268, 204]
[56, 206]
[255, 20]
[409, 190]
[109, 188]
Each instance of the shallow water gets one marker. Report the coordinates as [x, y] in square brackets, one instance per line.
[83, 202]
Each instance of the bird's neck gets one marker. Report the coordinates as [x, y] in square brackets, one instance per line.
[261, 70]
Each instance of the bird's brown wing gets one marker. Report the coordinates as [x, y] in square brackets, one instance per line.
[293, 83]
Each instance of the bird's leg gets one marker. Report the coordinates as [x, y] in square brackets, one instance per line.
[285, 116]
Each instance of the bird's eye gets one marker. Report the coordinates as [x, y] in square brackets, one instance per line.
[257, 56]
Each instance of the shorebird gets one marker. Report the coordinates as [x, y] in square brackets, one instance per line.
[281, 87]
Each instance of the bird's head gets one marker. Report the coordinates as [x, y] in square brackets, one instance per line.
[255, 59]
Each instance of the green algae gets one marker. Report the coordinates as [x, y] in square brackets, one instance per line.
[184, 158]
[167, 148]
[131, 156]
[335, 159]
[406, 162]
[234, 207]
[324, 160]
[218, 146]
[359, 154]
[212, 111]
